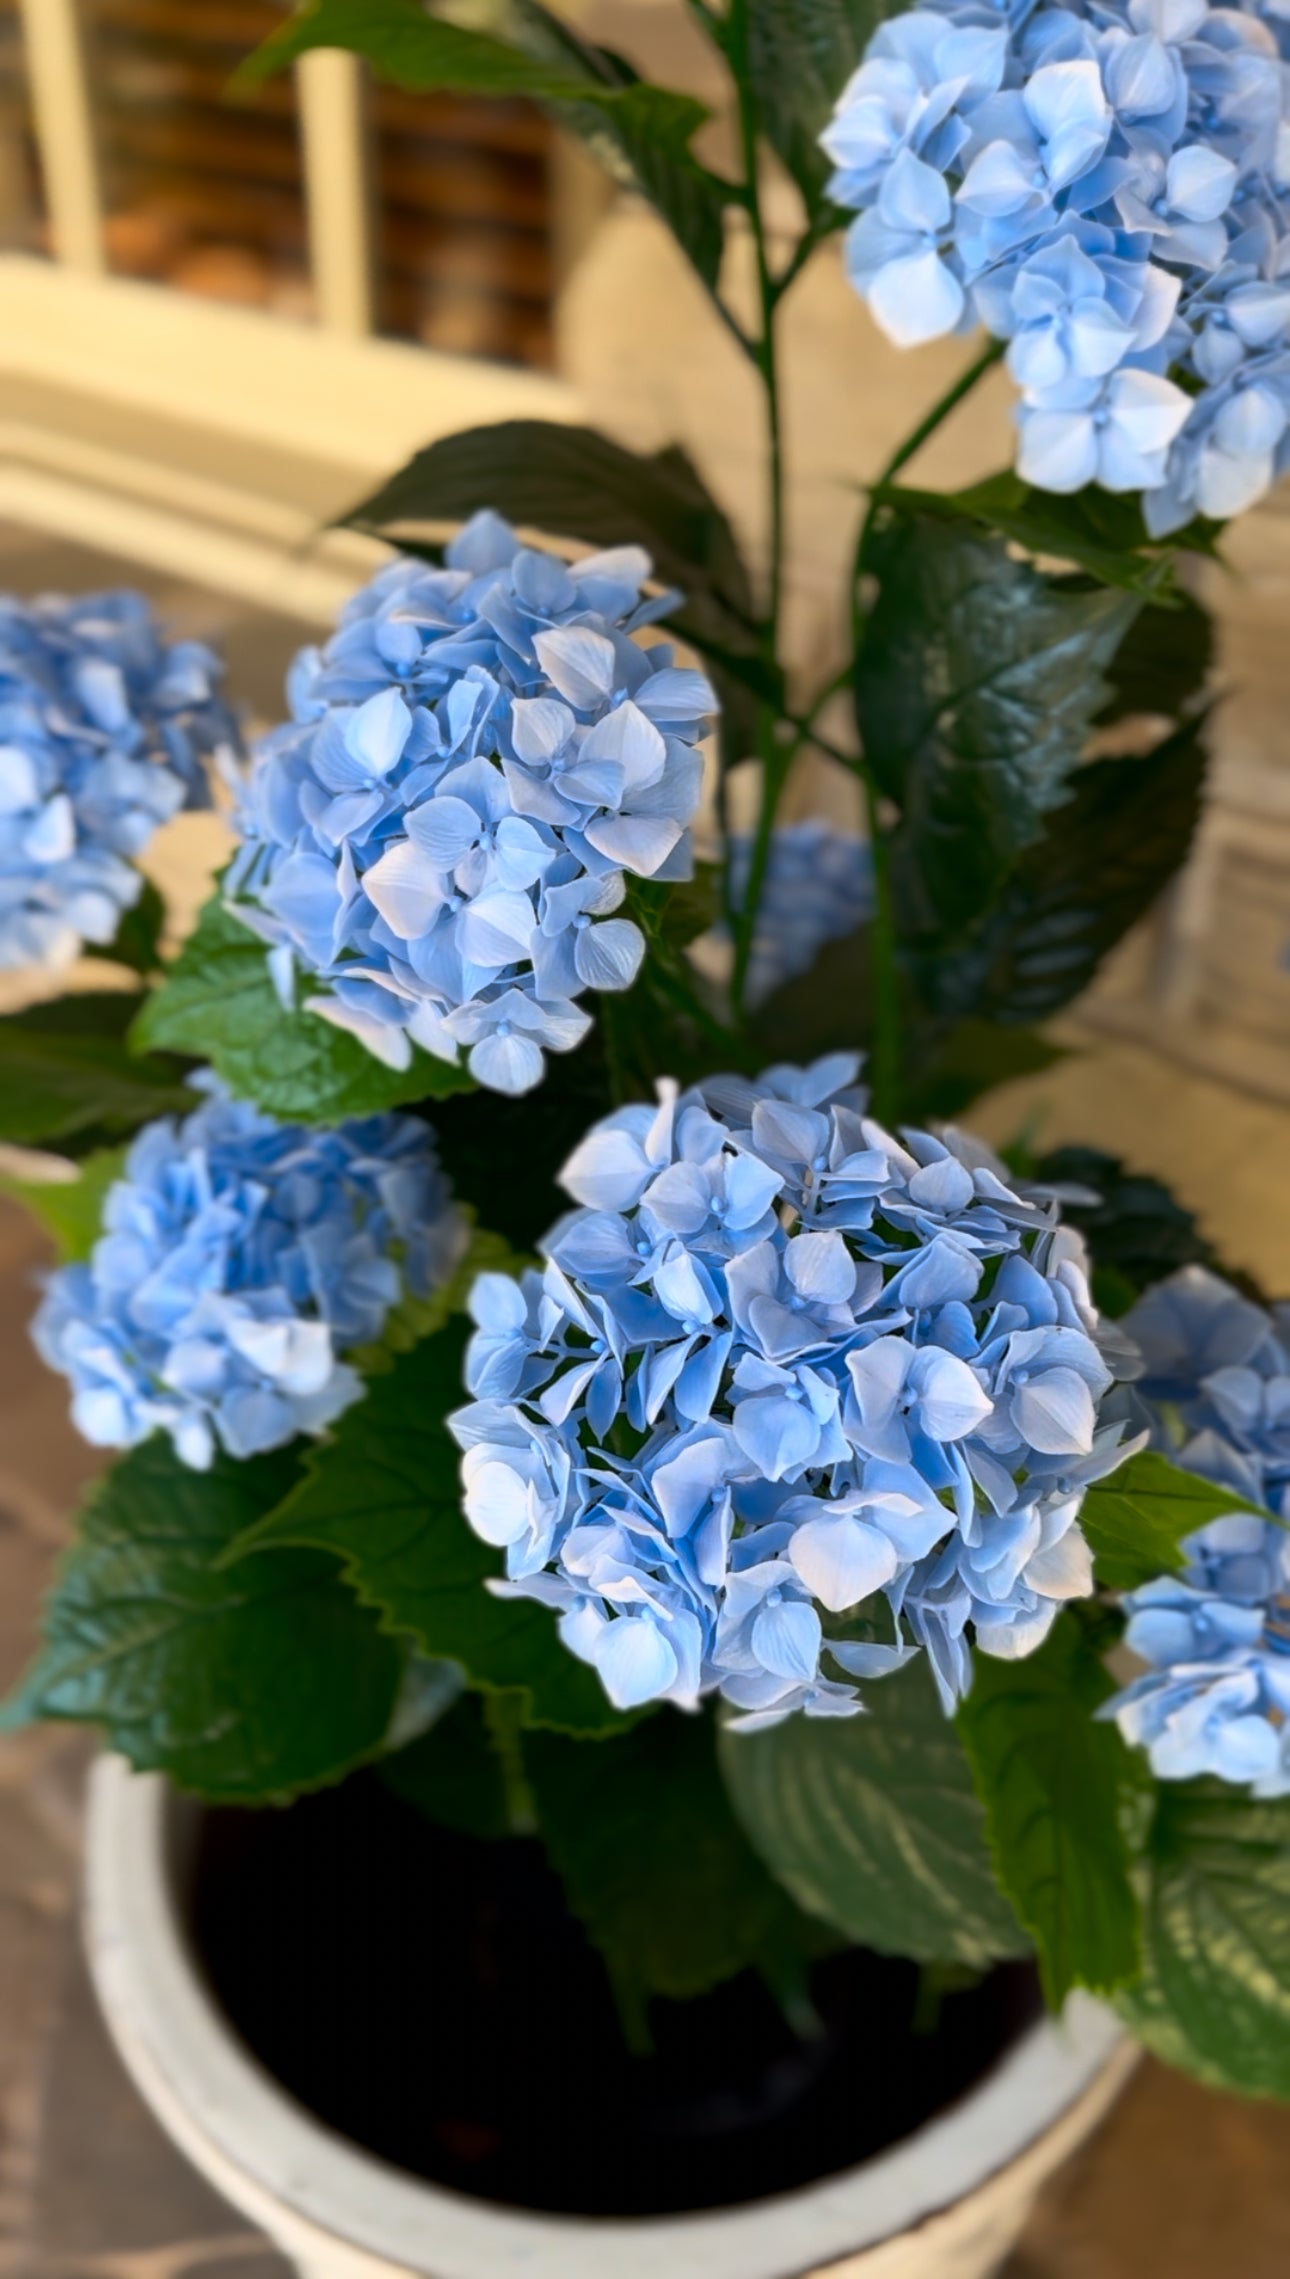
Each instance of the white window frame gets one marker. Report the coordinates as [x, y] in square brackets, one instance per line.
[328, 393]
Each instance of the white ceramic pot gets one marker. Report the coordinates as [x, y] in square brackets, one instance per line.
[947, 2203]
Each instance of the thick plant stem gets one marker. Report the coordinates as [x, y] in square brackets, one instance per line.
[776, 757]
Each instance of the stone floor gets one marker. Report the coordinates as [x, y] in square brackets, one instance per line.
[1179, 2182]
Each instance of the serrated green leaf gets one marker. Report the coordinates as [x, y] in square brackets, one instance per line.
[1138, 1519]
[1096, 530]
[246, 1683]
[873, 1823]
[641, 133]
[384, 1496]
[1052, 1779]
[975, 1056]
[72, 1210]
[218, 1003]
[1214, 1996]
[66, 1074]
[977, 683]
[573, 483]
[652, 1857]
[1106, 856]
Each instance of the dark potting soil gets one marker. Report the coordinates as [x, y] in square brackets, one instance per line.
[430, 1997]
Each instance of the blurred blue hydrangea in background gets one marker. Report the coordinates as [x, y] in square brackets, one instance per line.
[1103, 187]
[105, 732]
[778, 1364]
[240, 1258]
[441, 836]
[1216, 1694]
[818, 888]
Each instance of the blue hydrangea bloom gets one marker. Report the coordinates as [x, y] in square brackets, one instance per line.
[240, 1258]
[1215, 1695]
[440, 839]
[104, 731]
[818, 888]
[1102, 184]
[780, 1366]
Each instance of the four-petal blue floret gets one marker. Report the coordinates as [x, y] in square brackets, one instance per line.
[440, 839]
[1104, 187]
[1215, 1697]
[240, 1258]
[779, 1367]
[104, 731]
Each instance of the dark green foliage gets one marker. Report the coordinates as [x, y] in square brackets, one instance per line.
[1104, 859]
[1096, 530]
[572, 483]
[137, 942]
[800, 55]
[219, 1004]
[1052, 1779]
[977, 684]
[873, 1823]
[452, 1773]
[383, 1495]
[653, 1858]
[67, 1079]
[1214, 1997]
[244, 1683]
[1137, 1231]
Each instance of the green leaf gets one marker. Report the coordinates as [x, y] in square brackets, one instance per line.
[218, 1003]
[653, 1859]
[573, 483]
[383, 1495]
[66, 1074]
[1105, 858]
[1052, 1779]
[873, 1823]
[977, 684]
[71, 1210]
[975, 1056]
[1137, 1229]
[137, 942]
[641, 133]
[1163, 663]
[800, 56]
[1096, 530]
[1138, 1519]
[452, 1773]
[246, 1683]
[1214, 1996]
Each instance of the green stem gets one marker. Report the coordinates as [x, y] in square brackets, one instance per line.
[505, 1724]
[776, 757]
[886, 1059]
[939, 413]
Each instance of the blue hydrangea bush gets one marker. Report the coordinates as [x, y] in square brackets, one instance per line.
[528, 1250]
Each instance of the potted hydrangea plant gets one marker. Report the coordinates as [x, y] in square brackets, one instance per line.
[757, 1609]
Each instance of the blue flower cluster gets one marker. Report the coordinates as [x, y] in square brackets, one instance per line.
[441, 834]
[104, 728]
[1102, 184]
[1216, 1695]
[818, 888]
[240, 1257]
[779, 1362]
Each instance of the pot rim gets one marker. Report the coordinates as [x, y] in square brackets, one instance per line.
[234, 2120]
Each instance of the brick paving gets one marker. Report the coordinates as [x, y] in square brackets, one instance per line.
[1179, 2181]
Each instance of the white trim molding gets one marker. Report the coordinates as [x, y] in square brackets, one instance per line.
[60, 101]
